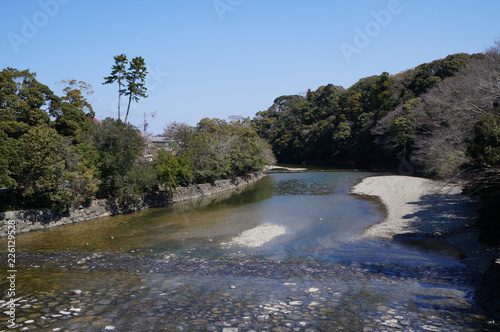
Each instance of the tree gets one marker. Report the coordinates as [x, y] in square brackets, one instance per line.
[118, 74]
[29, 149]
[248, 152]
[428, 75]
[444, 121]
[215, 149]
[24, 102]
[40, 183]
[177, 131]
[73, 113]
[119, 148]
[483, 172]
[11, 161]
[136, 78]
[173, 171]
[74, 94]
[70, 122]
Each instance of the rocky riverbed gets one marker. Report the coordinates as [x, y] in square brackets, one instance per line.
[137, 291]
[302, 264]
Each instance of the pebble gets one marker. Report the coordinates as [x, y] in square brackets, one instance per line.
[296, 303]
[191, 294]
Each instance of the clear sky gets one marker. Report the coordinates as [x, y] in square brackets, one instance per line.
[216, 58]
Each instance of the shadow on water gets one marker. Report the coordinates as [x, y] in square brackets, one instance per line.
[450, 209]
[165, 268]
[323, 222]
[435, 245]
[445, 224]
[443, 213]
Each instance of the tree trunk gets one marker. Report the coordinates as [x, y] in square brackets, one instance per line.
[128, 108]
[119, 96]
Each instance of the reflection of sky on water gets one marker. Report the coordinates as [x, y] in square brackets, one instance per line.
[322, 222]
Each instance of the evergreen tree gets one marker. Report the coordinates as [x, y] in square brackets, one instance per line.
[118, 74]
[136, 79]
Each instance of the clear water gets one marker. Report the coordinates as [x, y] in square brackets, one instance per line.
[322, 220]
[117, 262]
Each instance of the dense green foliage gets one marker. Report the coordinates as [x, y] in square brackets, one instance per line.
[173, 171]
[52, 153]
[346, 127]
[118, 147]
[217, 149]
[484, 171]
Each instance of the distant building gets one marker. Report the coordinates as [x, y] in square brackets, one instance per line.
[94, 120]
[161, 142]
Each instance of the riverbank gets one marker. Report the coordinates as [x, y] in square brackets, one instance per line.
[36, 219]
[420, 210]
[165, 269]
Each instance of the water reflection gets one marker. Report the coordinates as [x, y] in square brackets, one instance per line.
[166, 268]
[322, 222]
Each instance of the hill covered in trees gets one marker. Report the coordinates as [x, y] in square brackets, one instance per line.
[440, 119]
[53, 153]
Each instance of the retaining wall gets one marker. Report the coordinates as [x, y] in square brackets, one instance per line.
[35, 219]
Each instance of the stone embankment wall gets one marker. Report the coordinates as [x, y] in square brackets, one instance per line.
[35, 219]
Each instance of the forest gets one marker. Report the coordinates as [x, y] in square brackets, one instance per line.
[439, 120]
[54, 153]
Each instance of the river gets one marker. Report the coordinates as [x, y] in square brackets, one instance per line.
[178, 268]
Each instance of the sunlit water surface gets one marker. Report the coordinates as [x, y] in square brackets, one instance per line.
[171, 268]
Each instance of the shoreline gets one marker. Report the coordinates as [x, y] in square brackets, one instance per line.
[282, 168]
[38, 219]
[419, 209]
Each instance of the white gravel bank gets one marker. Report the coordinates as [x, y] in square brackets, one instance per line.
[257, 236]
[417, 205]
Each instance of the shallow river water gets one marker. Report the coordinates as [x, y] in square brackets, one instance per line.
[176, 269]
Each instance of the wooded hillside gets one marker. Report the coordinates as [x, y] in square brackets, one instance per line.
[440, 119]
[54, 153]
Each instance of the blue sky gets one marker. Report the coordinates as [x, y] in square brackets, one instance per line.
[216, 58]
